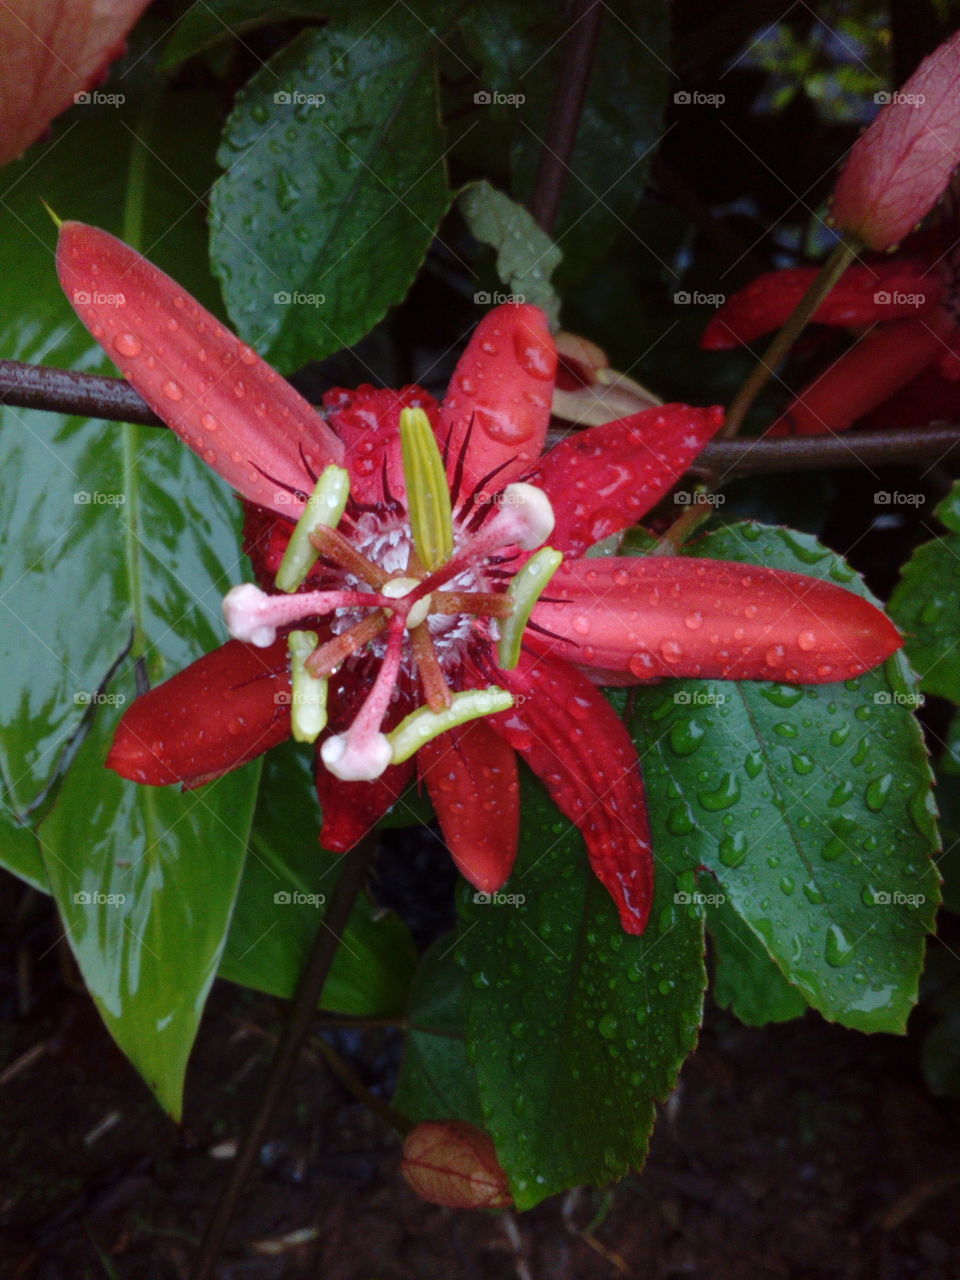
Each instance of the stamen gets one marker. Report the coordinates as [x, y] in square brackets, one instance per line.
[308, 699]
[325, 506]
[436, 691]
[524, 592]
[481, 604]
[334, 546]
[325, 660]
[253, 617]
[363, 752]
[428, 497]
[422, 725]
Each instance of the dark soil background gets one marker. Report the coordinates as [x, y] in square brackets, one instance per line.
[800, 1151]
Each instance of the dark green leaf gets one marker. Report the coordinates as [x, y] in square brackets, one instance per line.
[436, 1080]
[926, 605]
[206, 24]
[745, 979]
[574, 1028]
[286, 881]
[334, 186]
[810, 807]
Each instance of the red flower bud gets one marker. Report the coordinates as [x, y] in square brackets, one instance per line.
[900, 168]
[452, 1163]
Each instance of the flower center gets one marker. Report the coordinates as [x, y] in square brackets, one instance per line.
[456, 582]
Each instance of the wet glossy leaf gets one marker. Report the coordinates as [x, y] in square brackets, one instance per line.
[334, 186]
[745, 979]
[286, 882]
[436, 1080]
[145, 879]
[809, 807]
[926, 605]
[214, 21]
[574, 1028]
[526, 256]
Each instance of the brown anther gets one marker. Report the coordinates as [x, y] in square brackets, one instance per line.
[481, 604]
[327, 657]
[436, 691]
[334, 546]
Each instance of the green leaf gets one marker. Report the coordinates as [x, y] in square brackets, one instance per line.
[526, 256]
[145, 878]
[213, 21]
[574, 1028]
[118, 546]
[436, 1080]
[20, 850]
[926, 605]
[334, 186]
[286, 881]
[745, 979]
[810, 807]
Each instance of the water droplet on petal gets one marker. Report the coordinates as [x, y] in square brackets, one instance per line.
[128, 344]
[172, 390]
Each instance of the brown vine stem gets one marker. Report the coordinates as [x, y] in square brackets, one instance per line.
[579, 48]
[299, 1019]
[95, 396]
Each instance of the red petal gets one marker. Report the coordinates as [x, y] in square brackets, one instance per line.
[864, 294]
[604, 479]
[900, 167]
[471, 774]
[50, 53]
[870, 372]
[926, 399]
[223, 710]
[453, 1163]
[215, 392]
[367, 420]
[498, 404]
[352, 809]
[674, 616]
[571, 738]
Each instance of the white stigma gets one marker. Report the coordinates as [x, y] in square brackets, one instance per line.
[525, 517]
[397, 588]
[351, 760]
[247, 612]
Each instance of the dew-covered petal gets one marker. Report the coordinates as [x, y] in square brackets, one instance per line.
[225, 709]
[214, 391]
[604, 479]
[471, 775]
[497, 406]
[570, 736]
[367, 420]
[674, 616]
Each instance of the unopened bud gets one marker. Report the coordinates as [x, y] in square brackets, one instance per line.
[453, 1163]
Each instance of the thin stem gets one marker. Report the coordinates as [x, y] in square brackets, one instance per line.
[578, 51]
[300, 1016]
[354, 1085]
[843, 254]
[85, 395]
